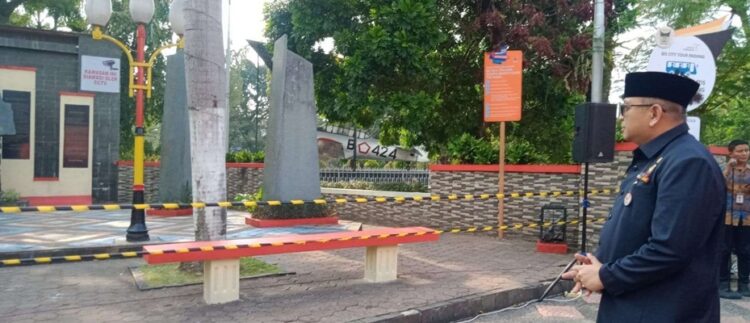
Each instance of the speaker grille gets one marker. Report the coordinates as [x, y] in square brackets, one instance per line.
[594, 138]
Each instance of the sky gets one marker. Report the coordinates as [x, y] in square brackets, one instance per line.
[246, 22]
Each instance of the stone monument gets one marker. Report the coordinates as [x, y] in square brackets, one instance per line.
[175, 181]
[291, 168]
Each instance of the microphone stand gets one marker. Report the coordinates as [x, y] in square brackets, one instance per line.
[583, 232]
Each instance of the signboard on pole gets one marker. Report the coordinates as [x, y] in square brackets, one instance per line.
[687, 56]
[503, 82]
[100, 74]
[503, 86]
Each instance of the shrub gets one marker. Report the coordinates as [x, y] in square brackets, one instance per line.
[9, 197]
[413, 186]
[470, 150]
[243, 197]
[373, 164]
[245, 156]
[401, 187]
[352, 185]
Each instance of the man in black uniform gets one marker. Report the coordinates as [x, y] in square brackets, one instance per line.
[658, 255]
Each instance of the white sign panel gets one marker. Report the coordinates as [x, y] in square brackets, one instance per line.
[694, 125]
[100, 74]
[372, 149]
[687, 56]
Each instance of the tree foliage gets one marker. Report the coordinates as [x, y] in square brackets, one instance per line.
[248, 103]
[7, 9]
[413, 68]
[63, 13]
[725, 115]
[38, 13]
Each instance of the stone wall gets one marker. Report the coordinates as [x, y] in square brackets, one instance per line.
[461, 180]
[445, 214]
[241, 178]
[477, 180]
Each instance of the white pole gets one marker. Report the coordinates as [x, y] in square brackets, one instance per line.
[229, 70]
[597, 65]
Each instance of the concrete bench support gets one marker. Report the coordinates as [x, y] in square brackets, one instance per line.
[221, 281]
[381, 263]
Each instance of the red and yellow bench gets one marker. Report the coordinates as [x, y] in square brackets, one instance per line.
[221, 266]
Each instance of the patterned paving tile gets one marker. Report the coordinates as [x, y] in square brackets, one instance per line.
[559, 311]
[594, 298]
[8, 230]
[13, 247]
[112, 225]
[120, 240]
[51, 237]
[734, 319]
[744, 303]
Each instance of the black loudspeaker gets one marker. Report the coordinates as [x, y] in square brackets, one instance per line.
[594, 139]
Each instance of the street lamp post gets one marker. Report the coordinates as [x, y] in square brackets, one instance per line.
[98, 13]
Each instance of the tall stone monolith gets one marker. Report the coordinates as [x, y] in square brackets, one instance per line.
[291, 163]
[175, 181]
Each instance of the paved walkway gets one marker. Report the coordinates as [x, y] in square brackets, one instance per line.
[561, 310]
[325, 287]
[437, 281]
[37, 232]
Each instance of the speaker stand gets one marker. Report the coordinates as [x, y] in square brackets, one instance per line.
[585, 204]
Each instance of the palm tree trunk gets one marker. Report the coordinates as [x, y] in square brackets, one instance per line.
[207, 104]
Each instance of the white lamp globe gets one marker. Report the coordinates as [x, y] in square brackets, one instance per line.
[98, 12]
[176, 17]
[141, 11]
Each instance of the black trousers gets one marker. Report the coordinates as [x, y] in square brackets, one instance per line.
[737, 240]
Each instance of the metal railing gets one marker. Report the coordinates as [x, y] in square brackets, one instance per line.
[375, 175]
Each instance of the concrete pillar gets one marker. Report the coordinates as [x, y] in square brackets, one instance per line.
[175, 181]
[291, 165]
[381, 263]
[221, 281]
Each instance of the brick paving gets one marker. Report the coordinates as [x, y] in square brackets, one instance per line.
[327, 286]
[37, 232]
[584, 310]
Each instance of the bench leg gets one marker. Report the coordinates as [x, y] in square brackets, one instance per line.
[381, 263]
[221, 281]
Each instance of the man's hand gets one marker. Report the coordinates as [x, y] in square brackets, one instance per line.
[587, 275]
[571, 274]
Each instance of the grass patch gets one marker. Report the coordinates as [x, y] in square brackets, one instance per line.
[155, 276]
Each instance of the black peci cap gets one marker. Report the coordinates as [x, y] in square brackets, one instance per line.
[670, 87]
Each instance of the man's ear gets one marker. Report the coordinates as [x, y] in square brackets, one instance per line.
[656, 112]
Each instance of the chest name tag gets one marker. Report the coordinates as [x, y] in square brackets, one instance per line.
[739, 199]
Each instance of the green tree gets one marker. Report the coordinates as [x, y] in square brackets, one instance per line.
[63, 13]
[725, 115]
[413, 68]
[248, 102]
[7, 8]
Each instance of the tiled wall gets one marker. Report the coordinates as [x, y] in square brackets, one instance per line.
[240, 179]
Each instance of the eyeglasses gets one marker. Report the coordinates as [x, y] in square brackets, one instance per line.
[625, 107]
